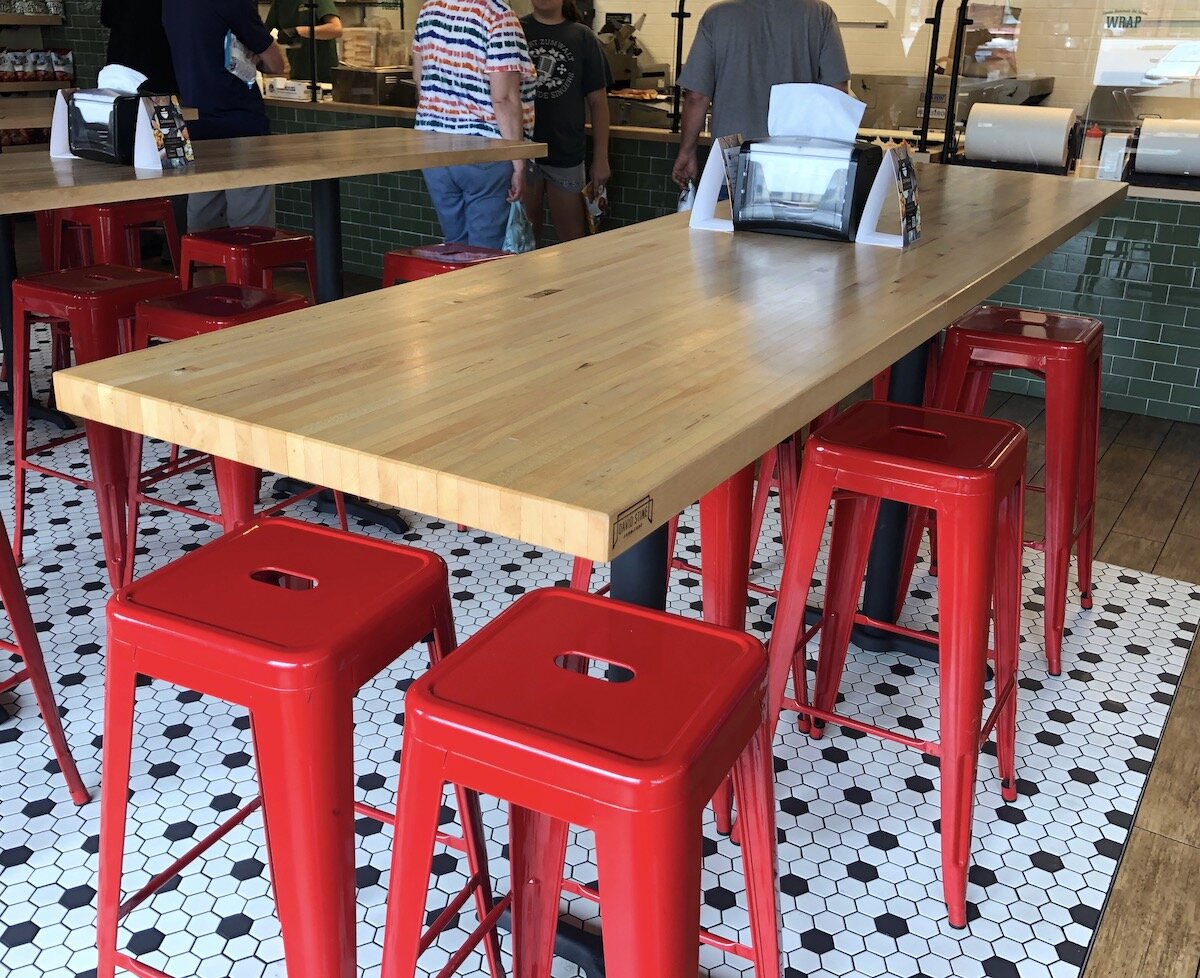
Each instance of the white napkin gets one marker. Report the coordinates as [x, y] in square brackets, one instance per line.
[813, 110]
[120, 79]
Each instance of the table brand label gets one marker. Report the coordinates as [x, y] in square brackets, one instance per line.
[631, 521]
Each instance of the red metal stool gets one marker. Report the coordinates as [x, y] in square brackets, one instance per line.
[1066, 352]
[177, 317]
[636, 759]
[249, 255]
[115, 231]
[280, 642]
[971, 471]
[25, 645]
[91, 302]
[425, 261]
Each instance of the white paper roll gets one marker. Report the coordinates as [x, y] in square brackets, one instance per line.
[1169, 146]
[1031, 135]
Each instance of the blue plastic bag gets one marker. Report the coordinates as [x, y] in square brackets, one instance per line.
[518, 237]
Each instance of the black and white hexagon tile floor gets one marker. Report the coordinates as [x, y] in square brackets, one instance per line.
[858, 852]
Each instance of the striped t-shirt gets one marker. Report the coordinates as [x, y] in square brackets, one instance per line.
[460, 42]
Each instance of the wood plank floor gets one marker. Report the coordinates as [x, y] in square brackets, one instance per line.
[1148, 519]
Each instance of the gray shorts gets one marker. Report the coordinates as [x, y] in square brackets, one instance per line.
[572, 179]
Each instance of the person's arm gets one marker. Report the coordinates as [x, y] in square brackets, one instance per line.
[247, 27]
[330, 29]
[506, 101]
[416, 68]
[273, 61]
[597, 103]
[695, 108]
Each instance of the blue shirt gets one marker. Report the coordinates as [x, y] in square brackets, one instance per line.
[196, 31]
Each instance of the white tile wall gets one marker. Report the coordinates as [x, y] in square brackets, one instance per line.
[1057, 37]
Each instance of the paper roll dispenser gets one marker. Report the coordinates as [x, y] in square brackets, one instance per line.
[101, 125]
[804, 186]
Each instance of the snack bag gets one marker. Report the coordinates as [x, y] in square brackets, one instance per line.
[40, 67]
[595, 205]
[63, 62]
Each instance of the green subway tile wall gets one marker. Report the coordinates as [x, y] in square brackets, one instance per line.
[83, 34]
[1137, 271]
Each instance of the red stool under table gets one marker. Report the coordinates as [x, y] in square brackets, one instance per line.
[1066, 352]
[177, 317]
[635, 760]
[115, 230]
[280, 642]
[26, 646]
[91, 304]
[249, 255]
[425, 261]
[971, 472]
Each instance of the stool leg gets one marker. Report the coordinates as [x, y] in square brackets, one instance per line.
[474, 835]
[725, 533]
[1088, 455]
[649, 865]
[308, 810]
[581, 574]
[109, 243]
[417, 805]
[120, 690]
[18, 366]
[30, 650]
[918, 522]
[1007, 604]
[537, 851]
[236, 491]
[171, 233]
[1064, 415]
[789, 481]
[132, 506]
[186, 264]
[762, 492]
[966, 540]
[800, 559]
[754, 783]
[853, 527]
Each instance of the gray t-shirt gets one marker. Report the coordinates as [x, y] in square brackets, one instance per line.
[743, 47]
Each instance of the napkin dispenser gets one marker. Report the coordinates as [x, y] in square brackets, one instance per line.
[102, 124]
[805, 186]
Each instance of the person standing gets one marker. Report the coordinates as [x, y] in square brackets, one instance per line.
[471, 65]
[227, 106]
[287, 16]
[743, 48]
[136, 39]
[571, 72]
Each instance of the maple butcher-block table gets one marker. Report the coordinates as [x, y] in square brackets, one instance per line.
[577, 397]
[33, 182]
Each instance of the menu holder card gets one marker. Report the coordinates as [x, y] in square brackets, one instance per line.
[721, 166]
[60, 136]
[897, 175]
[161, 141]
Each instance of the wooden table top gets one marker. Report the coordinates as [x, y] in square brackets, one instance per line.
[555, 397]
[28, 182]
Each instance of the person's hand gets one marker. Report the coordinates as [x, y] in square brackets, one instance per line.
[517, 186]
[601, 173]
[685, 168]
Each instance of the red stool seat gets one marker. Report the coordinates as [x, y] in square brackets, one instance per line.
[971, 472]
[1066, 351]
[91, 303]
[636, 759]
[279, 642]
[115, 230]
[177, 317]
[425, 261]
[249, 255]
[28, 649]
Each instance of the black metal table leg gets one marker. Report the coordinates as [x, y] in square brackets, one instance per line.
[330, 285]
[8, 275]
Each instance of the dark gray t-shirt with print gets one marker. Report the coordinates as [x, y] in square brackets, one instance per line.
[569, 66]
[743, 47]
